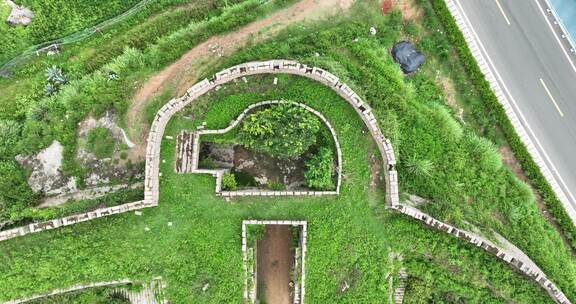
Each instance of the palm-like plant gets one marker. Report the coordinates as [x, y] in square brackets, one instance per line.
[50, 89]
[420, 167]
[55, 75]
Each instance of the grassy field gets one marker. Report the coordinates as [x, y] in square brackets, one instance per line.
[351, 237]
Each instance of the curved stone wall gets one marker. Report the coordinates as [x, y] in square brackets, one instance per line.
[151, 193]
[69, 289]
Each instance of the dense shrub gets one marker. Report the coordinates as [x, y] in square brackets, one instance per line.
[15, 194]
[9, 136]
[229, 182]
[282, 131]
[319, 172]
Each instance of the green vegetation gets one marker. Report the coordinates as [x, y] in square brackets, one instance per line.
[100, 142]
[254, 233]
[351, 236]
[282, 131]
[29, 215]
[229, 182]
[499, 118]
[319, 172]
[96, 295]
[55, 19]
[133, 50]
[15, 194]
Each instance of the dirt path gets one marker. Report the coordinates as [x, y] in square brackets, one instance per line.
[183, 73]
[275, 259]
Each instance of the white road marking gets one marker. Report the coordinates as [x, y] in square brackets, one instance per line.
[556, 36]
[551, 97]
[502, 11]
[517, 109]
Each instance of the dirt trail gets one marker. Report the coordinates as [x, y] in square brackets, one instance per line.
[183, 73]
[274, 259]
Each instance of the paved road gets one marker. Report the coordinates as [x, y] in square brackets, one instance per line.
[535, 74]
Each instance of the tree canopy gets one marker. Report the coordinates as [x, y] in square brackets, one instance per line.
[282, 130]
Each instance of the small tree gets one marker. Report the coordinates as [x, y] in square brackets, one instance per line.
[282, 131]
[320, 170]
[15, 193]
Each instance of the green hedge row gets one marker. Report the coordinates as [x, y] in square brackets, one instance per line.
[529, 166]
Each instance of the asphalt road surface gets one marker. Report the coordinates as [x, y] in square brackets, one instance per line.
[536, 75]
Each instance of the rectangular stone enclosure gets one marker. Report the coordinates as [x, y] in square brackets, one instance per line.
[274, 261]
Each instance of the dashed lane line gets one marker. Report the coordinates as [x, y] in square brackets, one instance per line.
[551, 97]
[502, 11]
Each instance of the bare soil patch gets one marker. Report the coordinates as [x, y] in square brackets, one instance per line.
[447, 85]
[260, 167]
[386, 6]
[410, 10]
[275, 260]
[185, 72]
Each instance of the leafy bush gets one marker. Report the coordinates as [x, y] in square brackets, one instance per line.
[100, 142]
[229, 182]
[15, 194]
[282, 131]
[320, 170]
[9, 135]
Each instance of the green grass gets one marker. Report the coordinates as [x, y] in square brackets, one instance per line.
[96, 295]
[101, 142]
[350, 236]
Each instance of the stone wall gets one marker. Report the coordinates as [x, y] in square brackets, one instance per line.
[72, 219]
[266, 67]
[147, 295]
[517, 261]
[69, 289]
[188, 155]
[304, 225]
